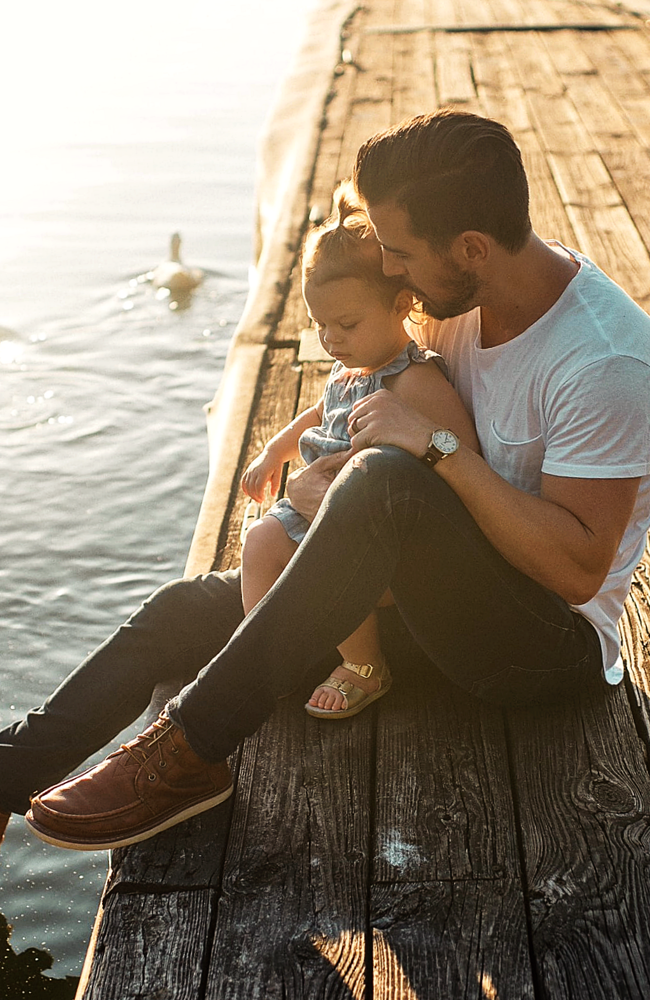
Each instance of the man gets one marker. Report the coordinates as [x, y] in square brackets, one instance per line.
[509, 570]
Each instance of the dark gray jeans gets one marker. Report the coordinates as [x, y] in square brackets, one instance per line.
[388, 521]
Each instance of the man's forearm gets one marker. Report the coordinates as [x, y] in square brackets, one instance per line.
[540, 537]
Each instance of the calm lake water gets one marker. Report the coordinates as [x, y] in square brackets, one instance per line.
[121, 124]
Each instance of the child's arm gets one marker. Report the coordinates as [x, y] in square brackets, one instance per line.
[267, 467]
[424, 387]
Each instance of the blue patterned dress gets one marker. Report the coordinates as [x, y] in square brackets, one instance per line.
[342, 391]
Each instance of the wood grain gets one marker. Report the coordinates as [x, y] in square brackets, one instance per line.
[584, 806]
[139, 935]
[276, 407]
[445, 864]
[294, 901]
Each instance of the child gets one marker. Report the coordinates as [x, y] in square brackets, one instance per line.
[359, 313]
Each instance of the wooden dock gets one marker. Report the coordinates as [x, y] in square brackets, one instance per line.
[433, 848]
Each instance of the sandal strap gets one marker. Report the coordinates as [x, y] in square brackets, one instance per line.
[345, 687]
[361, 669]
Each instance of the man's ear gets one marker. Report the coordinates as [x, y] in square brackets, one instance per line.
[471, 248]
[403, 303]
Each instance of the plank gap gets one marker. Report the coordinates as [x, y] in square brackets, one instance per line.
[489, 29]
[535, 971]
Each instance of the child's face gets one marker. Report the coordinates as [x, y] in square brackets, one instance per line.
[354, 323]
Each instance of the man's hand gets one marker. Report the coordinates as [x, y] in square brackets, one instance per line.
[383, 418]
[307, 487]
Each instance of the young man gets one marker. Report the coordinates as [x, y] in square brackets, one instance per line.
[510, 570]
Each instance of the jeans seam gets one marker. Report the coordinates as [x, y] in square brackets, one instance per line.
[478, 686]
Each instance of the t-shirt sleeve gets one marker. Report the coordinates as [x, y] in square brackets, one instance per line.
[599, 422]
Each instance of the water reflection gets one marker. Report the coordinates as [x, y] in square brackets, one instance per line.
[22, 975]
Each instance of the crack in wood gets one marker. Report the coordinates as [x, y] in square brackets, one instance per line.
[489, 29]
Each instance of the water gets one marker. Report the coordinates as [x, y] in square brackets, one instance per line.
[120, 125]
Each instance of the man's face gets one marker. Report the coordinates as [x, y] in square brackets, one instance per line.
[444, 287]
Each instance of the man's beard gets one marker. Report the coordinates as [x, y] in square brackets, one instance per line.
[462, 286]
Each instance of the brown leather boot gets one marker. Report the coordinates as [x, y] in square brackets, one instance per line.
[146, 786]
[4, 819]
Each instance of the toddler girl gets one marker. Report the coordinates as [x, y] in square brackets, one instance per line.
[359, 314]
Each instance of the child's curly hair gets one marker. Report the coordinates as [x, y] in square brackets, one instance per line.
[345, 246]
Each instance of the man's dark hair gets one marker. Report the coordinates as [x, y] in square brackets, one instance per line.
[452, 172]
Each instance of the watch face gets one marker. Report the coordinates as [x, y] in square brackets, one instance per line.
[445, 441]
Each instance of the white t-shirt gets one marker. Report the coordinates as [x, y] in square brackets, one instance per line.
[569, 397]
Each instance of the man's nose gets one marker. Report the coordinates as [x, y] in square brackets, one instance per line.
[391, 264]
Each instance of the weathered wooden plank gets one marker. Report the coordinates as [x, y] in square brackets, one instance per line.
[457, 940]
[445, 867]
[468, 12]
[138, 936]
[635, 643]
[584, 808]
[577, 11]
[444, 12]
[371, 103]
[312, 384]
[622, 59]
[599, 112]
[444, 904]
[608, 235]
[537, 12]
[502, 97]
[636, 49]
[276, 406]
[532, 63]
[584, 182]
[413, 86]
[602, 224]
[453, 69]
[566, 51]
[314, 376]
[638, 7]
[624, 70]
[506, 11]
[296, 879]
[326, 171]
[294, 315]
[446, 811]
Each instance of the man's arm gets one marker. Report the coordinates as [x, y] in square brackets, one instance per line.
[565, 539]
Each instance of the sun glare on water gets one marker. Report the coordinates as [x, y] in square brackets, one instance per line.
[76, 76]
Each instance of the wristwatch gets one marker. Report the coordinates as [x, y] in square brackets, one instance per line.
[443, 443]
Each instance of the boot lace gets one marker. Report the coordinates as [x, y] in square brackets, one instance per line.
[144, 745]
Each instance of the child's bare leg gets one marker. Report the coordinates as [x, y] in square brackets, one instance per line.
[361, 647]
[267, 550]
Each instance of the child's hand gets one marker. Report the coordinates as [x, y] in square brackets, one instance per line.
[262, 471]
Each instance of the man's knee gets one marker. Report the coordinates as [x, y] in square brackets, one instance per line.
[387, 464]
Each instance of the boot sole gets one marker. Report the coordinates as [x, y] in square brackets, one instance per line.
[136, 838]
